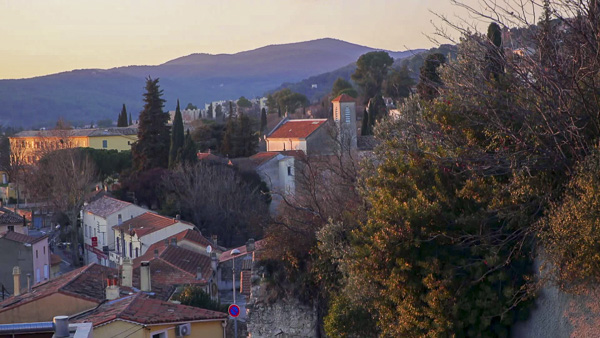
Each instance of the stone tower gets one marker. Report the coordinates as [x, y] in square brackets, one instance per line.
[344, 115]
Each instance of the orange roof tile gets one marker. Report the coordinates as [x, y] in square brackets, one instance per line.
[263, 157]
[141, 309]
[148, 222]
[297, 128]
[21, 238]
[258, 245]
[176, 265]
[344, 98]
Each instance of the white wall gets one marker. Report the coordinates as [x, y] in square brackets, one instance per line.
[280, 144]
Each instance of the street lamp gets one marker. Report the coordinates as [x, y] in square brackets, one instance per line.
[234, 253]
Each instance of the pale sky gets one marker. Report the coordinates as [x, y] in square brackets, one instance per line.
[39, 37]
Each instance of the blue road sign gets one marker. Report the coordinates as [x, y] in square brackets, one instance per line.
[234, 310]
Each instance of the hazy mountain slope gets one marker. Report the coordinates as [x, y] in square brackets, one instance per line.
[82, 96]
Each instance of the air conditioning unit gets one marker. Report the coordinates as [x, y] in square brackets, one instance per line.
[183, 330]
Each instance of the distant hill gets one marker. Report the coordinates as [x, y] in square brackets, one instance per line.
[82, 96]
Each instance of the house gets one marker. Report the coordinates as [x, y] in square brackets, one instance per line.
[11, 221]
[27, 147]
[308, 135]
[316, 136]
[277, 169]
[98, 219]
[133, 237]
[31, 255]
[139, 316]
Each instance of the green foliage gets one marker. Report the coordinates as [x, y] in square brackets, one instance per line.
[130, 121]
[190, 106]
[371, 70]
[286, 101]
[340, 85]
[348, 319]
[429, 79]
[104, 123]
[240, 138]
[122, 120]
[399, 83]
[244, 102]
[570, 231]
[177, 137]
[152, 147]
[109, 162]
[195, 296]
[209, 136]
[263, 120]
[494, 57]
[188, 153]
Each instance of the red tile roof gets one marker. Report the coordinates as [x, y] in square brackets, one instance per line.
[344, 98]
[245, 282]
[105, 206]
[258, 245]
[210, 157]
[297, 128]
[263, 157]
[143, 310]
[179, 265]
[147, 223]
[21, 238]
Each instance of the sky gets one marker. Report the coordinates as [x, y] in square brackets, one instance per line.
[40, 37]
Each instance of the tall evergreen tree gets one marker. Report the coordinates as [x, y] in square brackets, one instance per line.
[245, 138]
[263, 120]
[152, 147]
[495, 55]
[122, 121]
[177, 136]
[188, 153]
[227, 147]
[130, 121]
[230, 109]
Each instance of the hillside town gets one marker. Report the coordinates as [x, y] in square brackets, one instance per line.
[441, 192]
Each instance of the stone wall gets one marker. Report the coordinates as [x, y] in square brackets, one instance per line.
[287, 317]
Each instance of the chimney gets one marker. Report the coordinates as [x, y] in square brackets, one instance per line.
[198, 273]
[145, 283]
[61, 326]
[174, 241]
[127, 272]
[28, 282]
[214, 240]
[250, 245]
[17, 280]
[112, 289]
[155, 253]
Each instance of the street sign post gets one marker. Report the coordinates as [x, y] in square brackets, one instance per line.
[234, 310]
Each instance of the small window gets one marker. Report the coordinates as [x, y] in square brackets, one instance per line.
[105, 144]
[130, 249]
[289, 171]
[128, 143]
[46, 272]
[118, 247]
[44, 251]
[137, 252]
[11, 228]
[36, 254]
[119, 219]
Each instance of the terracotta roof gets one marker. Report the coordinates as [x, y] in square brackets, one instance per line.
[143, 310]
[193, 236]
[21, 238]
[258, 245]
[344, 98]
[10, 217]
[105, 206]
[263, 156]
[176, 265]
[209, 157]
[297, 128]
[85, 282]
[147, 223]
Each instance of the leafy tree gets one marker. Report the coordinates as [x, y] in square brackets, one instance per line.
[195, 296]
[286, 101]
[122, 120]
[244, 102]
[209, 136]
[371, 70]
[429, 79]
[263, 120]
[152, 147]
[104, 123]
[62, 124]
[109, 162]
[190, 106]
[177, 137]
[340, 85]
[399, 83]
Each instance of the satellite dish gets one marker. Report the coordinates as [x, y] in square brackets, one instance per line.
[209, 249]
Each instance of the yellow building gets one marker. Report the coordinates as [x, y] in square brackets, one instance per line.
[138, 316]
[27, 147]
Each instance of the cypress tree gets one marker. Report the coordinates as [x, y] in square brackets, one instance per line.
[263, 120]
[228, 136]
[130, 121]
[365, 127]
[152, 147]
[495, 55]
[245, 140]
[230, 109]
[177, 137]
[429, 79]
[122, 121]
[188, 153]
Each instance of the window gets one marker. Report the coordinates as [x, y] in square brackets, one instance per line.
[130, 249]
[119, 219]
[86, 231]
[118, 248]
[347, 114]
[46, 272]
[136, 252]
[4, 179]
[162, 334]
[104, 143]
[38, 277]
[11, 228]
[36, 254]
[44, 251]
[289, 171]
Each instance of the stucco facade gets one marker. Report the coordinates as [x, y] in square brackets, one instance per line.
[120, 328]
[44, 309]
[32, 258]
